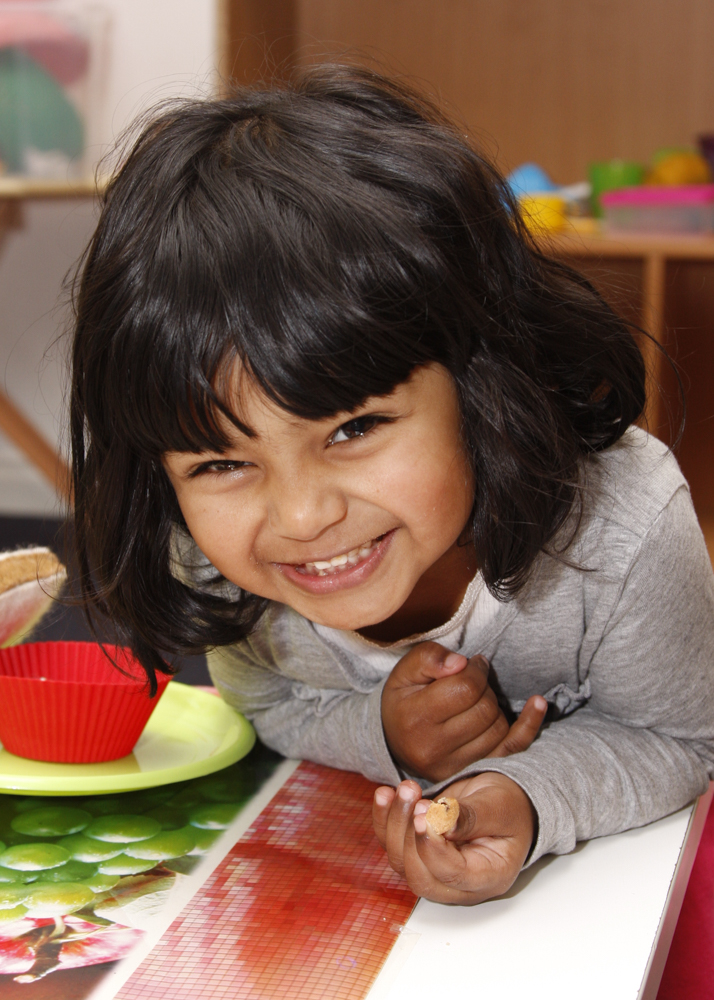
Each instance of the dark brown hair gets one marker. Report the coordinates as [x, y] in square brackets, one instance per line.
[333, 235]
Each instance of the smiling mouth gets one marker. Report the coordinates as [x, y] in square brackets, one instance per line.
[337, 564]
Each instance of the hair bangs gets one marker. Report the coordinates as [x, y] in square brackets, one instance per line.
[346, 317]
[276, 243]
[322, 315]
[316, 359]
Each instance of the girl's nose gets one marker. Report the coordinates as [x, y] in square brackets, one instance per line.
[304, 507]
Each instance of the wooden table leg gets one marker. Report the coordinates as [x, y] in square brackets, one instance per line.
[29, 440]
[16, 426]
[10, 216]
[653, 322]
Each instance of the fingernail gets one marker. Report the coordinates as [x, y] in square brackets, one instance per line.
[421, 807]
[381, 797]
[454, 660]
[420, 823]
[406, 794]
[541, 703]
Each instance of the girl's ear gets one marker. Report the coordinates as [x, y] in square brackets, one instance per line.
[30, 580]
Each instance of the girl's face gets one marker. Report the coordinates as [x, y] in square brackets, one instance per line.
[353, 520]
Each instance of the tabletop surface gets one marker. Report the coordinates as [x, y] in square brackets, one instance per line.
[586, 925]
[279, 890]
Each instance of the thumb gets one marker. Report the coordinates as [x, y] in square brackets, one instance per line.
[524, 730]
[425, 663]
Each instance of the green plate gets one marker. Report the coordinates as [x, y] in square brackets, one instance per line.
[190, 733]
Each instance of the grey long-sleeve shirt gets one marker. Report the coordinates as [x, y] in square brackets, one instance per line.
[619, 638]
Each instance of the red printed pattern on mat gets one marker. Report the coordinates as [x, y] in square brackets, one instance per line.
[304, 906]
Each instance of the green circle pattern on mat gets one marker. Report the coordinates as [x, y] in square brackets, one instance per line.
[164, 846]
[10, 876]
[125, 865]
[34, 857]
[205, 839]
[57, 900]
[53, 821]
[218, 816]
[122, 829]
[73, 871]
[139, 836]
[169, 818]
[13, 895]
[85, 849]
[102, 883]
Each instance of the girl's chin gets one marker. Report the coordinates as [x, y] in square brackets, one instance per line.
[348, 620]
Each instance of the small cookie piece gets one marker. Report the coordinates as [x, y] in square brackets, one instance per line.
[442, 815]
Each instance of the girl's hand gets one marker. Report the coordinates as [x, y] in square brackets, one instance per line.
[479, 859]
[439, 714]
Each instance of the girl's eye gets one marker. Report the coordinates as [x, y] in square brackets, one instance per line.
[219, 466]
[357, 428]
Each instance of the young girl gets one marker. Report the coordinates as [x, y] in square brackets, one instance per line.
[337, 421]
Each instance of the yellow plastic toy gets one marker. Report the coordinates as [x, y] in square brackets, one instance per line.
[542, 212]
[677, 167]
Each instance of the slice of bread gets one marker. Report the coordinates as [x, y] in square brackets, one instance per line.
[25, 565]
[30, 580]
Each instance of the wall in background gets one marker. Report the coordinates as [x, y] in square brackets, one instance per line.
[158, 49]
[555, 81]
[561, 82]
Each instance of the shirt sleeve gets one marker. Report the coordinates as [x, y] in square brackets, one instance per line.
[643, 745]
[339, 728]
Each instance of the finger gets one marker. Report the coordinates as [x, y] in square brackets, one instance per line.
[481, 663]
[475, 719]
[524, 730]
[424, 663]
[465, 873]
[449, 696]
[383, 798]
[421, 880]
[399, 823]
[465, 739]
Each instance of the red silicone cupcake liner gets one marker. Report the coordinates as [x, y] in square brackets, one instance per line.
[65, 702]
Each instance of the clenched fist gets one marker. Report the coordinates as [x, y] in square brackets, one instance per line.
[440, 715]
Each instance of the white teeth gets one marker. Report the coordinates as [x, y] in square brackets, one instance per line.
[328, 567]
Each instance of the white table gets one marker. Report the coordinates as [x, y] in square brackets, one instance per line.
[593, 925]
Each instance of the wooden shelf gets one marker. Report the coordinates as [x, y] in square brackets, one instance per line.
[26, 188]
[664, 284]
[630, 245]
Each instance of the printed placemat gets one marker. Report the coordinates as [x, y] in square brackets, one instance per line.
[88, 883]
[304, 905]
